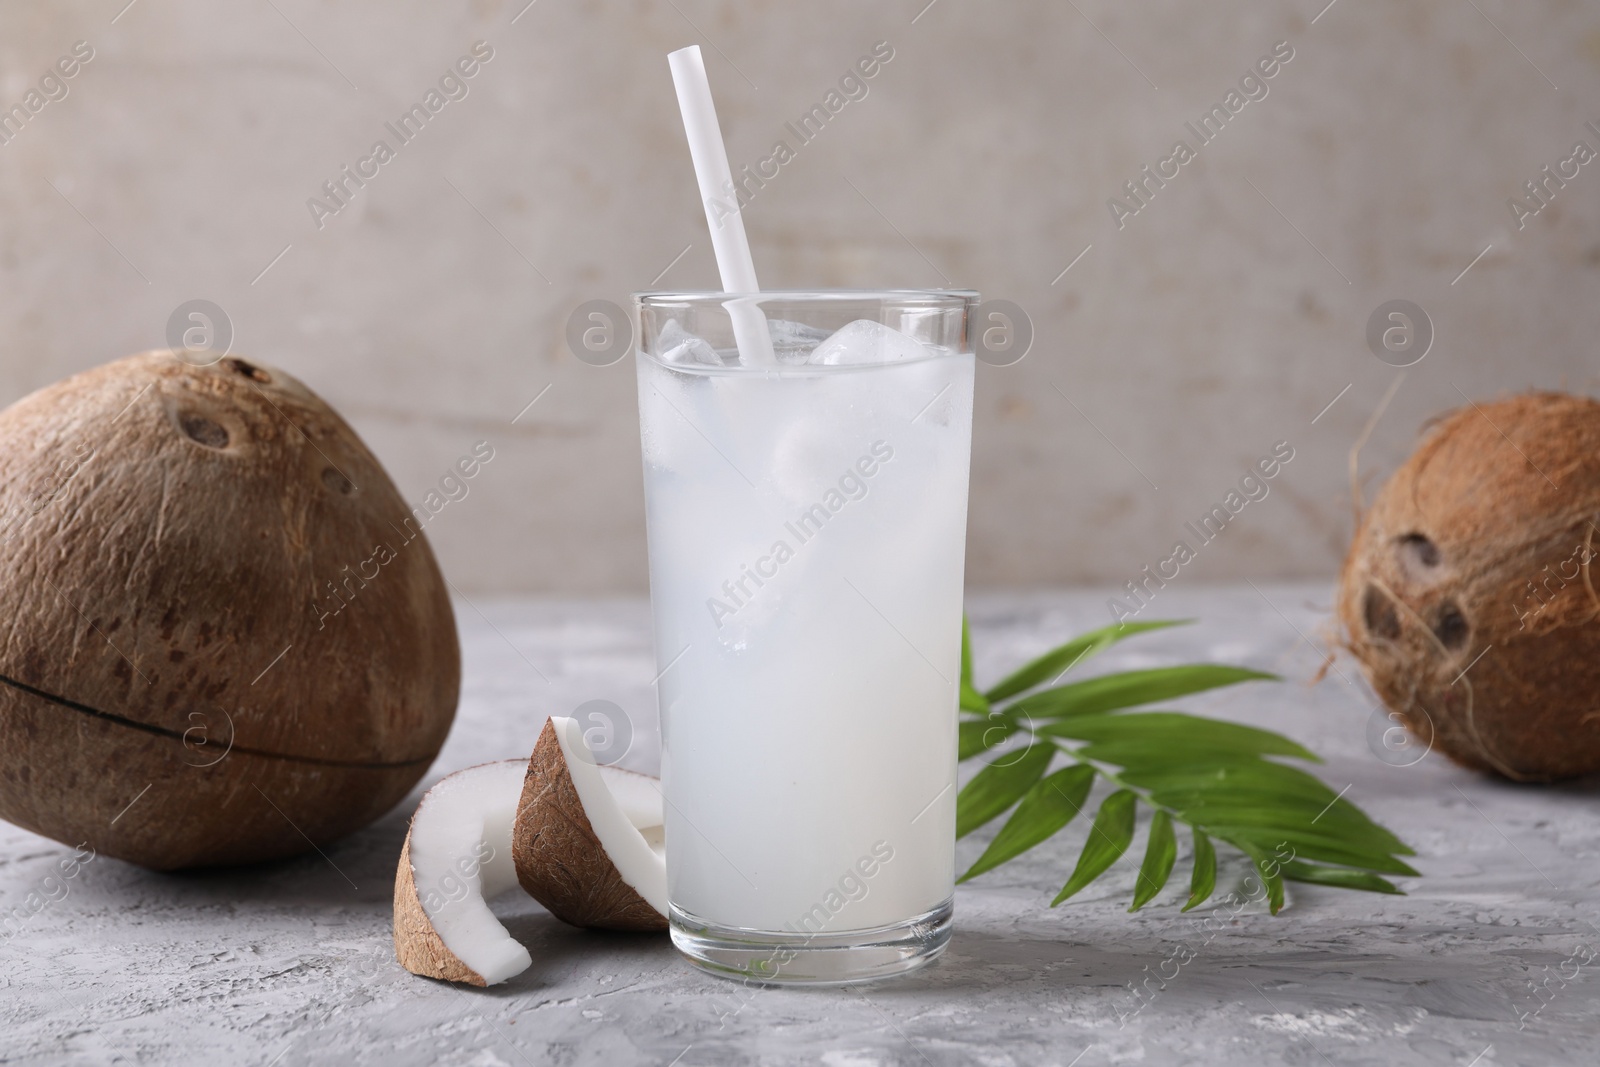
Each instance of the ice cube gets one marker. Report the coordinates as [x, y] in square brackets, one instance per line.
[865, 343]
[793, 342]
[678, 345]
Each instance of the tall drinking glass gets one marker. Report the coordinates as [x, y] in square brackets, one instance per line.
[807, 534]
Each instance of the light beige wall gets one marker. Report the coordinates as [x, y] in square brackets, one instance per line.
[1220, 319]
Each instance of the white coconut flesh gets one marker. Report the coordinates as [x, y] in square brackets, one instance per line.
[626, 811]
[461, 859]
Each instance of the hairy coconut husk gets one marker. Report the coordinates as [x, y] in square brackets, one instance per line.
[561, 861]
[1469, 594]
[201, 661]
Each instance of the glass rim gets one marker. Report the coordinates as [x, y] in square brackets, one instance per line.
[949, 298]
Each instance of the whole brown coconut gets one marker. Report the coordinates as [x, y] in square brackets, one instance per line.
[1481, 545]
[224, 637]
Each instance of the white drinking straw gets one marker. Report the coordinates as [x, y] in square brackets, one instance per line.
[723, 217]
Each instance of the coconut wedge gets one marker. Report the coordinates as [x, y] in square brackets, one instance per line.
[458, 856]
[587, 841]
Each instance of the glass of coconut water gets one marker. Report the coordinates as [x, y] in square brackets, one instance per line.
[806, 512]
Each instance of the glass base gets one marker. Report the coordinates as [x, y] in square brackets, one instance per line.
[789, 957]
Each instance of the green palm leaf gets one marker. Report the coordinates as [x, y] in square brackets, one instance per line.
[971, 699]
[1050, 804]
[1269, 810]
[1108, 840]
[1340, 877]
[1271, 871]
[980, 735]
[1000, 785]
[1059, 660]
[1221, 779]
[966, 652]
[1203, 882]
[1108, 692]
[1168, 735]
[1221, 776]
[1160, 853]
[1327, 848]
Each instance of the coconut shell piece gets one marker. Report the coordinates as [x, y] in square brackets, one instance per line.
[223, 635]
[1469, 593]
[561, 861]
[417, 946]
[457, 857]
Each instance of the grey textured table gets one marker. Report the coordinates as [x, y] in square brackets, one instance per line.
[1483, 963]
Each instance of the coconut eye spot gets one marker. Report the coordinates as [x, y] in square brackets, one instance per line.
[1452, 629]
[203, 431]
[248, 369]
[1378, 611]
[1420, 547]
[336, 481]
[1419, 558]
